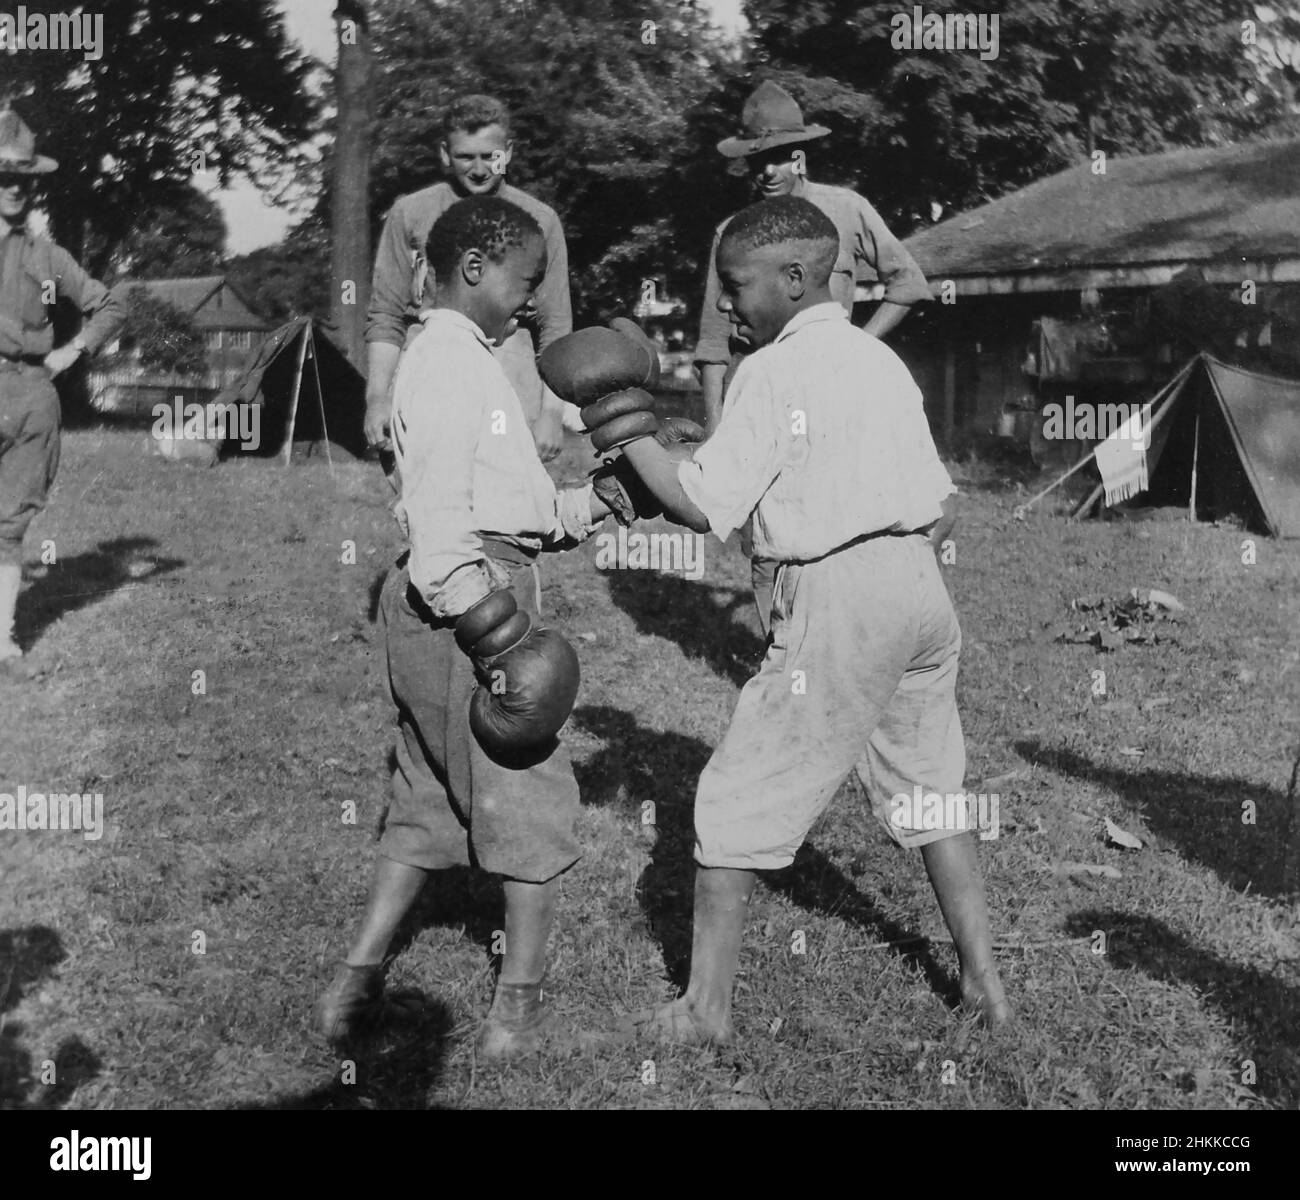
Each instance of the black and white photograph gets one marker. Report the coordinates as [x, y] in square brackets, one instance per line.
[628, 555]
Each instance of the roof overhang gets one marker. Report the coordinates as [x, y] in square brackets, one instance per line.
[1133, 275]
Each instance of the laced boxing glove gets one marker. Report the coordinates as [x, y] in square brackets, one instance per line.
[675, 430]
[625, 494]
[528, 678]
[619, 418]
[590, 363]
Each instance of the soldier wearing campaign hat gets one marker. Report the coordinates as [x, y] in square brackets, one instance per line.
[34, 275]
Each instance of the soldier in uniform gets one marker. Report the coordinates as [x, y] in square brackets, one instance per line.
[34, 275]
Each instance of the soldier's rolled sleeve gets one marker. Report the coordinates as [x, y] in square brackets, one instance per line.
[554, 307]
[904, 281]
[390, 285]
[91, 297]
[714, 344]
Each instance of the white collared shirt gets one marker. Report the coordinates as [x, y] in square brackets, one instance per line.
[467, 462]
[823, 439]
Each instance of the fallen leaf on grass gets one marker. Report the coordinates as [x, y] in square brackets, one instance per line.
[1132, 751]
[1155, 702]
[1158, 598]
[1073, 870]
[1122, 837]
[586, 637]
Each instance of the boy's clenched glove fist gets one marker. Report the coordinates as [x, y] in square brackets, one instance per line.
[619, 418]
[528, 678]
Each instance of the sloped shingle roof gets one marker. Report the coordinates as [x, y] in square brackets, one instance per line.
[1230, 202]
[191, 296]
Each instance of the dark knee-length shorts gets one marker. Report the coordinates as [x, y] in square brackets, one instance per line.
[451, 804]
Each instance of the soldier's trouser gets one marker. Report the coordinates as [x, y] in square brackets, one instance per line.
[29, 450]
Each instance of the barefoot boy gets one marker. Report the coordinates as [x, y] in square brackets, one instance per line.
[825, 443]
[477, 506]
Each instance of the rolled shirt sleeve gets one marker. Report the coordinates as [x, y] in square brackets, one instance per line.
[714, 344]
[554, 306]
[437, 445]
[878, 249]
[104, 311]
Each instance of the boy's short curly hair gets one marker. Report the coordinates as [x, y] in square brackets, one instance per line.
[469, 114]
[787, 219]
[485, 223]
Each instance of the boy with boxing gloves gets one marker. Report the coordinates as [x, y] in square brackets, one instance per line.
[481, 691]
[824, 443]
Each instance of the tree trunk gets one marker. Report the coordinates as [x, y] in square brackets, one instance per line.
[350, 218]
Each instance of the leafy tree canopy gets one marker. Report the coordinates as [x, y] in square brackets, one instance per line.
[182, 86]
[164, 338]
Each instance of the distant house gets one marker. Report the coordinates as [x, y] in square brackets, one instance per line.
[1104, 282]
[230, 329]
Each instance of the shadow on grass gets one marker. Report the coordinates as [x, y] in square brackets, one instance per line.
[701, 619]
[27, 955]
[815, 883]
[639, 765]
[1198, 813]
[77, 582]
[395, 1066]
[1264, 1011]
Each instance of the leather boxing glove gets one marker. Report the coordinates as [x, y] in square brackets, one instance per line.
[528, 678]
[624, 493]
[590, 363]
[674, 430]
[619, 418]
[631, 330]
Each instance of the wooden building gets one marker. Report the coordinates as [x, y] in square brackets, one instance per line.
[1101, 280]
[231, 332]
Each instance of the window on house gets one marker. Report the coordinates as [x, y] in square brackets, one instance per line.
[241, 339]
[212, 339]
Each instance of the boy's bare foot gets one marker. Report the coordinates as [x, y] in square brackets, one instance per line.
[982, 996]
[679, 1022]
[543, 1030]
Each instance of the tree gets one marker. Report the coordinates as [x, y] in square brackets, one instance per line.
[616, 113]
[916, 126]
[182, 87]
[176, 240]
[289, 279]
[160, 337]
[350, 215]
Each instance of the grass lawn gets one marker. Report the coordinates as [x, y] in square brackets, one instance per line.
[1175, 984]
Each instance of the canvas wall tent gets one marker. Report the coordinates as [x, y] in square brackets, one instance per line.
[1224, 441]
[307, 389]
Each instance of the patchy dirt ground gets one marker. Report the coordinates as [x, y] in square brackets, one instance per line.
[1165, 976]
